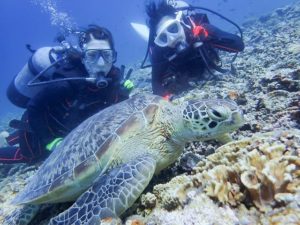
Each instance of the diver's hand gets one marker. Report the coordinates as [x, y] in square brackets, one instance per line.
[53, 144]
[67, 51]
[59, 49]
[128, 84]
[201, 33]
[169, 97]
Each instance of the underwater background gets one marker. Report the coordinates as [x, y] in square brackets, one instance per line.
[254, 179]
[37, 22]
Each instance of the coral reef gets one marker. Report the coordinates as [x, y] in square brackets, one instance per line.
[255, 178]
[251, 181]
[200, 210]
[263, 170]
[3, 135]
[13, 178]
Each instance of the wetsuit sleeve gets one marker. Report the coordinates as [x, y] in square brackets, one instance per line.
[223, 40]
[120, 93]
[38, 108]
[218, 38]
[159, 72]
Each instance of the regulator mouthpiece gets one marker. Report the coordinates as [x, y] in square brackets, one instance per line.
[101, 82]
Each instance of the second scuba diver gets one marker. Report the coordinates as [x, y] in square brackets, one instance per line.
[182, 45]
[60, 87]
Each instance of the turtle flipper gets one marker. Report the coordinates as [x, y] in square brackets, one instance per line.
[111, 194]
[22, 215]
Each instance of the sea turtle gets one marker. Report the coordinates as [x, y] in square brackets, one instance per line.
[109, 159]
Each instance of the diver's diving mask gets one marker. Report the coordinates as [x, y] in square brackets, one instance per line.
[98, 57]
[98, 62]
[170, 32]
[93, 55]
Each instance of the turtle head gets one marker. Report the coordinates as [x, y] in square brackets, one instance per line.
[209, 119]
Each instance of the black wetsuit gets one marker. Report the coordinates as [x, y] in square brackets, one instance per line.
[189, 63]
[56, 111]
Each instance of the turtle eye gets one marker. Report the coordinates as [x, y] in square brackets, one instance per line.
[217, 114]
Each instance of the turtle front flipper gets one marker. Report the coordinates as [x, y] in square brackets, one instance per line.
[111, 194]
[22, 215]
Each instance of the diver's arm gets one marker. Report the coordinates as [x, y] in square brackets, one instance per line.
[223, 40]
[121, 92]
[159, 70]
[156, 80]
[39, 105]
[216, 37]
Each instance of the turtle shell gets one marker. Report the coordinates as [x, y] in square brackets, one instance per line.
[86, 152]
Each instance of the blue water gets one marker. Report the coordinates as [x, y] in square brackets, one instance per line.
[36, 22]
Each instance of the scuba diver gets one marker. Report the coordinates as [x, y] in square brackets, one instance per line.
[183, 44]
[60, 87]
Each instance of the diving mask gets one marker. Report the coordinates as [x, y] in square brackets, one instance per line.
[170, 32]
[98, 57]
[93, 55]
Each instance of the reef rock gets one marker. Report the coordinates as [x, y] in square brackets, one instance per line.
[3, 135]
[262, 170]
[250, 181]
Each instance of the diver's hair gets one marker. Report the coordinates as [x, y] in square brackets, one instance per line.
[99, 33]
[155, 12]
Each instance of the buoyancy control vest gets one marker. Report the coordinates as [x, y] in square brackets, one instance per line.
[43, 60]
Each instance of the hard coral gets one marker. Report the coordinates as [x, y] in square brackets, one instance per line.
[172, 196]
[256, 169]
[223, 184]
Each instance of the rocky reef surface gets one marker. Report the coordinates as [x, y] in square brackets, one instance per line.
[252, 180]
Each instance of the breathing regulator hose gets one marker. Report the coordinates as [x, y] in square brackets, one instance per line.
[191, 8]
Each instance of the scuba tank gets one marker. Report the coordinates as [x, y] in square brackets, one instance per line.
[18, 92]
[47, 65]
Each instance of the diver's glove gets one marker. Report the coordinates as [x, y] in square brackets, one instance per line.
[66, 50]
[53, 144]
[169, 97]
[200, 32]
[128, 85]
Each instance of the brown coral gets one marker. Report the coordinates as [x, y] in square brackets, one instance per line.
[233, 95]
[258, 169]
[258, 177]
[223, 184]
[174, 197]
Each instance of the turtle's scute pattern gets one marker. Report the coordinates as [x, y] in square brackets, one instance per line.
[135, 122]
[86, 141]
[110, 197]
